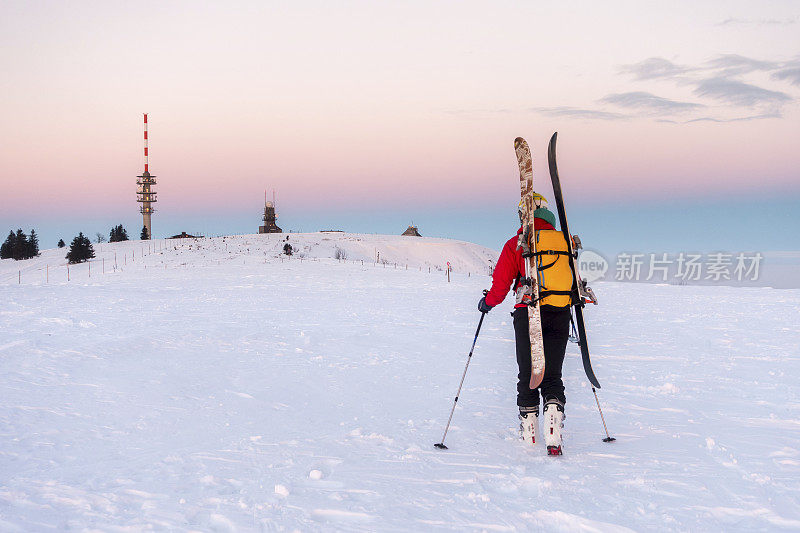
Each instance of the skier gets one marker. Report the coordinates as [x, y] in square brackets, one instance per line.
[555, 295]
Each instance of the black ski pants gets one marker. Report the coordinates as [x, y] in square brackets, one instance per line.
[555, 333]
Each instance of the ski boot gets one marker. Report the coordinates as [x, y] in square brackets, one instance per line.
[553, 422]
[529, 424]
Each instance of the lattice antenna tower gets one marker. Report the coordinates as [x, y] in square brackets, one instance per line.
[145, 194]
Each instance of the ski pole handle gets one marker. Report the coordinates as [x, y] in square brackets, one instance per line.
[482, 303]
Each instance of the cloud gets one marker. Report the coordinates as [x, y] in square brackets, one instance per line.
[573, 112]
[725, 65]
[789, 71]
[719, 83]
[739, 93]
[759, 22]
[734, 65]
[791, 74]
[650, 102]
[738, 119]
[654, 68]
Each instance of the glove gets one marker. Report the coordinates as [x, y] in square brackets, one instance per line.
[483, 307]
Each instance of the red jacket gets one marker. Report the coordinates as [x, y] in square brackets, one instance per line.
[509, 266]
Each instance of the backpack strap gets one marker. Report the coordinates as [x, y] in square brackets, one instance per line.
[550, 252]
[545, 294]
[556, 253]
[549, 265]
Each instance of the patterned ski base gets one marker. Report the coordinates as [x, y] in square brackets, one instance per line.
[534, 315]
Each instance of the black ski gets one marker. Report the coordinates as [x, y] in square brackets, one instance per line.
[578, 300]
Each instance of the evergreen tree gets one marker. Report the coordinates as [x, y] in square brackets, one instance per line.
[7, 249]
[80, 250]
[20, 245]
[144, 236]
[33, 245]
[117, 234]
[61, 243]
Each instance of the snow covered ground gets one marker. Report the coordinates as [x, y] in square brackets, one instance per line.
[219, 387]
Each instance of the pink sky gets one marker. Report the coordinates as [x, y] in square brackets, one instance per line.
[364, 103]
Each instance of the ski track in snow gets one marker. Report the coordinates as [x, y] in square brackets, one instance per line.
[232, 390]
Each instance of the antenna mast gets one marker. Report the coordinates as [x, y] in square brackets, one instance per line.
[145, 143]
[144, 193]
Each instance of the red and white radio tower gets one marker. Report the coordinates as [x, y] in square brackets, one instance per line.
[144, 194]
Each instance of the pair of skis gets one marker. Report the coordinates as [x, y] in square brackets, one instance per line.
[580, 292]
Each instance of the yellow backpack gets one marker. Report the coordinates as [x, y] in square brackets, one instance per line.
[555, 275]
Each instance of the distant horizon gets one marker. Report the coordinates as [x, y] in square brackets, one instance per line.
[703, 226]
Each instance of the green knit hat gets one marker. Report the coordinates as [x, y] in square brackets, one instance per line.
[546, 215]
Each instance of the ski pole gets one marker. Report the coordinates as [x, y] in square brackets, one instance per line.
[608, 438]
[441, 445]
[574, 338]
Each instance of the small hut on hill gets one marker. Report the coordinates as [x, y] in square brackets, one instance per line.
[412, 231]
[184, 235]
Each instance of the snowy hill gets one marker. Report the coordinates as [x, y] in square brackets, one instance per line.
[217, 385]
[394, 251]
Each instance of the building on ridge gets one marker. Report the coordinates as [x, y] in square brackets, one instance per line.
[269, 216]
[184, 235]
[412, 231]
